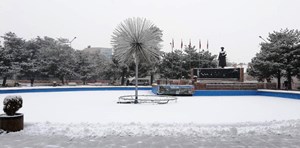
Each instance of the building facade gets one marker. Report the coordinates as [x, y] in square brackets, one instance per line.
[107, 52]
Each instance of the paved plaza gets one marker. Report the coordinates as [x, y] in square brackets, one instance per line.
[16, 140]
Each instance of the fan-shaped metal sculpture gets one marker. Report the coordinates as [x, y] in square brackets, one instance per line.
[137, 39]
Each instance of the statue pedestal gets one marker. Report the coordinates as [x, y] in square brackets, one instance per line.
[12, 123]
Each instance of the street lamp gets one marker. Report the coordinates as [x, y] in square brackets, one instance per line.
[262, 39]
[72, 41]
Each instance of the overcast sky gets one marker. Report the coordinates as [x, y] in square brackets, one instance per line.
[234, 24]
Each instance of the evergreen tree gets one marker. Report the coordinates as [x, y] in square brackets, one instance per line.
[178, 64]
[172, 65]
[12, 55]
[31, 65]
[113, 70]
[101, 65]
[261, 68]
[58, 59]
[85, 68]
[278, 57]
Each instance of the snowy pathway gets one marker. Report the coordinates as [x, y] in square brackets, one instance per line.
[275, 134]
[273, 141]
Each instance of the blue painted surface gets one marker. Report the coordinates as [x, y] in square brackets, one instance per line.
[290, 95]
[287, 94]
[58, 89]
[225, 93]
[154, 89]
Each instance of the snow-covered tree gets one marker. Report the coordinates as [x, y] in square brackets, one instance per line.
[101, 65]
[172, 65]
[58, 59]
[31, 65]
[178, 64]
[12, 55]
[198, 59]
[137, 39]
[207, 60]
[262, 69]
[287, 43]
[266, 65]
[85, 68]
[278, 56]
[113, 70]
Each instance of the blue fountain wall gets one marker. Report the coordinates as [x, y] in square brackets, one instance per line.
[283, 94]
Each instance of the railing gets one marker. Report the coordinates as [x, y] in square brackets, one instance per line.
[129, 99]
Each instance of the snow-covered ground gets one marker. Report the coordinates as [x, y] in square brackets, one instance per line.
[96, 114]
[101, 107]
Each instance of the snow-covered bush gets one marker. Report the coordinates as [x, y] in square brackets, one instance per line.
[12, 104]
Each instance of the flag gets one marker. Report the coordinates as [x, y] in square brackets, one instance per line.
[181, 45]
[199, 44]
[207, 45]
[190, 44]
[172, 43]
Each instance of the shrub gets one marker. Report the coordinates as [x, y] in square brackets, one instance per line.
[12, 104]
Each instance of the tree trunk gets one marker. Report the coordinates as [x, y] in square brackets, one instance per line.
[278, 80]
[136, 79]
[62, 80]
[31, 82]
[123, 77]
[289, 79]
[151, 78]
[4, 81]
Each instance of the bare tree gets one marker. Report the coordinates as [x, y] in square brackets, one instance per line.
[137, 39]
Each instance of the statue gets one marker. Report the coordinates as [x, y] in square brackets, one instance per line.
[222, 58]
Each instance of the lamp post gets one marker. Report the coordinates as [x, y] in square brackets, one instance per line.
[72, 41]
[262, 39]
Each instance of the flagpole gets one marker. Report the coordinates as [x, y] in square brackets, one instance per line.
[190, 46]
[181, 44]
[172, 46]
[207, 45]
[199, 52]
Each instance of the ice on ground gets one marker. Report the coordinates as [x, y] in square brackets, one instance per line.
[102, 107]
[97, 114]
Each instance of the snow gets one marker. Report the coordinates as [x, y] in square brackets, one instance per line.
[97, 114]
[279, 91]
[50, 87]
[16, 98]
[102, 107]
